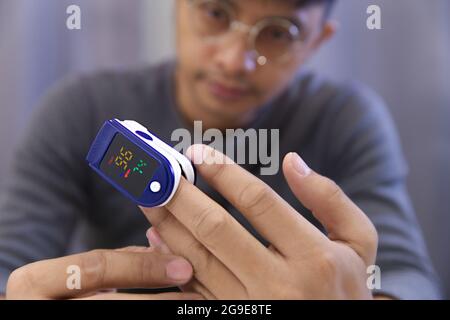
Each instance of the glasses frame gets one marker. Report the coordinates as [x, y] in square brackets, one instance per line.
[253, 31]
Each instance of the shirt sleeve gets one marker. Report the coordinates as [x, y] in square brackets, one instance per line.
[45, 191]
[367, 162]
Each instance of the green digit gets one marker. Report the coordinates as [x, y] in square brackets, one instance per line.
[141, 164]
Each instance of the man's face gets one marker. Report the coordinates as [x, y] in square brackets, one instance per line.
[220, 69]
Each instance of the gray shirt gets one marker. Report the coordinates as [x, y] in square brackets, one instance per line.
[342, 132]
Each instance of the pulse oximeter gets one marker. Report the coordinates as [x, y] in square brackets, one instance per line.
[137, 163]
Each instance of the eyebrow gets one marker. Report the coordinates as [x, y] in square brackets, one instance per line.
[293, 19]
[231, 3]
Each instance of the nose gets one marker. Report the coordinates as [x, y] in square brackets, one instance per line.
[234, 57]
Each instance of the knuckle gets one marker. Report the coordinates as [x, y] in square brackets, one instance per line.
[283, 285]
[288, 291]
[148, 270]
[164, 222]
[208, 223]
[332, 195]
[334, 191]
[370, 240]
[257, 198]
[217, 170]
[374, 237]
[328, 265]
[200, 258]
[365, 240]
[93, 266]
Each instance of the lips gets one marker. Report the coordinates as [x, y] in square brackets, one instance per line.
[225, 91]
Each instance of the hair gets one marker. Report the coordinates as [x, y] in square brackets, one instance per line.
[304, 3]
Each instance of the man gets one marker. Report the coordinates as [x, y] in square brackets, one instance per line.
[236, 234]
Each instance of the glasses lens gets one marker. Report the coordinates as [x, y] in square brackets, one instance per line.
[275, 40]
[211, 18]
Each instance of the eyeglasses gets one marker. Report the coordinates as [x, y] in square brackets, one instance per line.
[271, 40]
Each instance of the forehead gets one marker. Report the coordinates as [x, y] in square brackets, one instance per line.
[286, 6]
[253, 10]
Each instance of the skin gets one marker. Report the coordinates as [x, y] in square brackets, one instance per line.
[300, 263]
[229, 62]
[229, 263]
[101, 270]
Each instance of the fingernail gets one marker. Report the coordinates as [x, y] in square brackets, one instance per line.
[155, 240]
[153, 237]
[299, 165]
[178, 270]
[195, 153]
[147, 234]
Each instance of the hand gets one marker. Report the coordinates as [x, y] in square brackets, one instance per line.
[300, 263]
[132, 267]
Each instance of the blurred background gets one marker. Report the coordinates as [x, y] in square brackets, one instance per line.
[407, 63]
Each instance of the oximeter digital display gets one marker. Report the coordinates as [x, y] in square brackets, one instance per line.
[128, 165]
[137, 163]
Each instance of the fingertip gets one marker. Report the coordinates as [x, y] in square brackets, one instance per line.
[147, 234]
[287, 162]
[179, 270]
[153, 237]
[299, 165]
[195, 153]
[295, 166]
[296, 173]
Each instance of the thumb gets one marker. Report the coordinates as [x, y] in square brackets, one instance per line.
[343, 219]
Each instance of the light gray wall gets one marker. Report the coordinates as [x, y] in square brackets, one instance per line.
[408, 63]
[36, 50]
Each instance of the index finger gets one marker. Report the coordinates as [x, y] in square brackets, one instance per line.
[275, 219]
[218, 231]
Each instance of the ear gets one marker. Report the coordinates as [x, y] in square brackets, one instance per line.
[328, 31]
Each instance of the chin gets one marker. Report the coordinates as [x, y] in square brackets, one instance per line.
[228, 107]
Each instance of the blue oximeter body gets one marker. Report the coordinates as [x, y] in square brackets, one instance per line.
[137, 163]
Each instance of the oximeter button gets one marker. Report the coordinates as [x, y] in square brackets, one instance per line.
[155, 187]
[144, 135]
